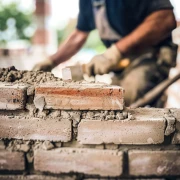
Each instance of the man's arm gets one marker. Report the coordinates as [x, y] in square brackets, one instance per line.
[70, 47]
[156, 27]
[66, 50]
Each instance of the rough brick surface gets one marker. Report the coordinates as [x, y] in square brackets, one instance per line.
[88, 161]
[122, 132]
[35, 129]
[83, 97]
[176, 137]
[148, 112]
[158, 163]
[12, 97]
[12, 161]
[34, 177]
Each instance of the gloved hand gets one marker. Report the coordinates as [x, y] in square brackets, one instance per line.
[104, 63]
[46, 65]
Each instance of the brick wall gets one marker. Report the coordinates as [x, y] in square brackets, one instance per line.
[81, 131]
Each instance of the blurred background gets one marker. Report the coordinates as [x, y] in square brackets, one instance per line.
[33, 29]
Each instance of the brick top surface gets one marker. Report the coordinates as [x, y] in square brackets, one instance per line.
[14, 86]
[85, 150]
[78, 86]
[80, 90]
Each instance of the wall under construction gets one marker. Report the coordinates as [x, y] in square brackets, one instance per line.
[51, 129]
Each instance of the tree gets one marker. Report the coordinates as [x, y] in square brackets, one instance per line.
[14, 23]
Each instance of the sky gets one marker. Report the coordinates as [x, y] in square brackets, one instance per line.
[62, 10]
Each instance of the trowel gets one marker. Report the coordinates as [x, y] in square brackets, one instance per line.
[76, 72]
[73, 73]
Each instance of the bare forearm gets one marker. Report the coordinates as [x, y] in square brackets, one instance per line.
[70, 47]
[155, 28]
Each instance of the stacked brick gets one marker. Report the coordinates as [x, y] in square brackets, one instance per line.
[81, 131]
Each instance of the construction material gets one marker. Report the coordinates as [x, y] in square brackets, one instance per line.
[88, 161]
[122, 132]
[12, 97]
[55, 143]
[79, 96]
[155, 163]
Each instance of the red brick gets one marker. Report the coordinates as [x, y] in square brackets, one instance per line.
[35, 129]
[12, 161]
[12, 97]
[87, 161]
[83, 97]
[158, 163]
[143, 131]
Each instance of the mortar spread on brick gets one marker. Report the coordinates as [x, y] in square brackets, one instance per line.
[11, 74]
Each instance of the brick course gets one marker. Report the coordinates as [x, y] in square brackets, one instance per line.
[88, 161]
[35, 177]
[35, 129]
[144, 131]
[81, 97]
[157, 163]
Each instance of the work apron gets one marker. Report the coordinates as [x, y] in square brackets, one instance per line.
[106, 31]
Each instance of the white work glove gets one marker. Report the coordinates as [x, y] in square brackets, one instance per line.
[46, 65]
[104, 63]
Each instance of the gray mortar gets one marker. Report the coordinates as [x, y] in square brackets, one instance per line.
[11, 74]
[170, 128]
[35, 78]
[18, 145]
[75, 116]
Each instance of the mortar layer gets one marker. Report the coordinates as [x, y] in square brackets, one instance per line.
[11, 74]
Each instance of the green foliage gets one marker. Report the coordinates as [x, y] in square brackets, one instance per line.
[13, 22]
[94, 42]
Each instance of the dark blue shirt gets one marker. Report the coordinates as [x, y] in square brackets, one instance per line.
[123, 15]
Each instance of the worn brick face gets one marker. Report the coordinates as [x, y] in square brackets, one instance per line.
[35, 129]
[148, 112]
[176, 137]
[87, 161]
[35, 177]
[12, 97]
[82, 97]
[122, 132]
[13, 161]
[158, 163]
